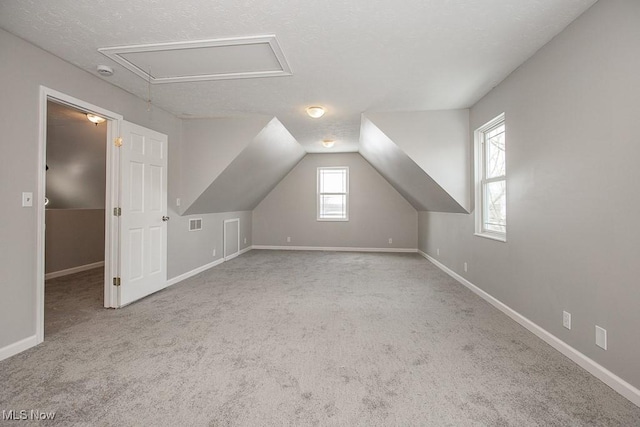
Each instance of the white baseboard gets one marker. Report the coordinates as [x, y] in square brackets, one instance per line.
[591, 366]
[73, 270]
[200, 269]
[185, 276]
[333, 249]
[18, 347]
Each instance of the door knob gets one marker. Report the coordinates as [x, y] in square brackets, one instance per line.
[165, 218]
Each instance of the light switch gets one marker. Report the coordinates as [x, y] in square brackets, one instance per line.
[27, 200]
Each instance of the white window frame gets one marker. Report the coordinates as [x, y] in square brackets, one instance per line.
[319, 194]
[482, 181]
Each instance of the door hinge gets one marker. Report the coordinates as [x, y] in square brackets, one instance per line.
[117, 211]
[118, 141]
[116, 281]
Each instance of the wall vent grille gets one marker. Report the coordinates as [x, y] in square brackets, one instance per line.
[195, 224]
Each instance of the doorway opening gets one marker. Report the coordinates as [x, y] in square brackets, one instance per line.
[76, 193]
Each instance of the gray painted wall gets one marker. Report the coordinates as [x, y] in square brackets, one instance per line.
[248, 178]
[402, 172]
[377, 211]
[74, 237]
[572, 148]
[23, 69]
[209, 146]
[199, 245]
[437, 141]
[77, 158]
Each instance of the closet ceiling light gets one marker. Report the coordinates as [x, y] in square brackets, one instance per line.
[328, 143]
[95, 119]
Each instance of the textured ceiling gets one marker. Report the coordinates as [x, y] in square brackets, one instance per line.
[351, 56]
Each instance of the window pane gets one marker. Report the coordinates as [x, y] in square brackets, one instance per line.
[495, 207]
[494, 152]
[494, 131]
[333, 206]
[333, 181]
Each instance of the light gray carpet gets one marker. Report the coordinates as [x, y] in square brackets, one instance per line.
[301, 338]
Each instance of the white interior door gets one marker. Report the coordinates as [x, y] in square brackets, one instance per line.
[143, 200]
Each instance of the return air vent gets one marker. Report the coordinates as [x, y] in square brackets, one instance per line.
[219, 59]
[195, 224]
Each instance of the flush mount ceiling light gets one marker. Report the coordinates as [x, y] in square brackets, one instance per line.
[328, 143]
[315, 111]
[95, 119]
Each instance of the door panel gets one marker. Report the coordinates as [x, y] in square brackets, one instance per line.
[143, 233]
[136, 254]
[155, 256]
[231, 237]
[136, 187]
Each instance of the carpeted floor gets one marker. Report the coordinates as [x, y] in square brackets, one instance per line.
[300, 338]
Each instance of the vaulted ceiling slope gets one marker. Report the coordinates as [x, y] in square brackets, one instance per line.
[232, 164]
[423, 155]
[350, 56]
[208, 148]
[239, 161]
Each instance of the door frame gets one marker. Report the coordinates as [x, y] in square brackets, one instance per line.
[111, 249]
[224, 239]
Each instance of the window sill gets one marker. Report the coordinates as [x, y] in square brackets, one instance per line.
[498, 237]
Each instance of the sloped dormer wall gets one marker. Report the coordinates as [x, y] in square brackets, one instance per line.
[209, 146]
[252, 174]
[425, 155]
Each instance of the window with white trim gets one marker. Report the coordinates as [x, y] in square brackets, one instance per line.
[333, 194]
[491, 185]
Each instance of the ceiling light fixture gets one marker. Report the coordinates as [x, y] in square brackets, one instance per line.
[328, 143]
[95, 119]
[315, 111]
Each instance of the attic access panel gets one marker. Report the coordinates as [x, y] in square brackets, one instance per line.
[219, 59]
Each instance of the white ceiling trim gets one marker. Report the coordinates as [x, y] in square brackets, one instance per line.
[116, 54]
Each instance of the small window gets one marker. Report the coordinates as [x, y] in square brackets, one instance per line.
[491, 185]
[333, 194]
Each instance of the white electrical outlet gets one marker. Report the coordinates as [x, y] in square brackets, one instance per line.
[390, 240]
[178, 201]
[214, 252]
[601, 337]
[566, 319]
[288, 239]
[245, 240]
[438, 251]
[27, 200]
[465, 267]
